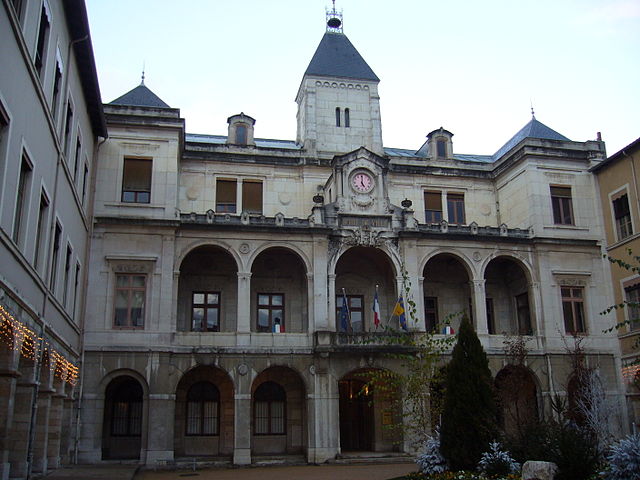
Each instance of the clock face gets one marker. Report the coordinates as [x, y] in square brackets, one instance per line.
[362, 182]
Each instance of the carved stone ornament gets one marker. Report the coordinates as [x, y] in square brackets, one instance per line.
[476, 256]
[364, 237]
[244, 248]
[571, 282]
[243, 369]
[312, 369]
[362, 201]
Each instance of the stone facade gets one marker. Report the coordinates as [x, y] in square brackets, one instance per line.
[243, 253]
[212, 269]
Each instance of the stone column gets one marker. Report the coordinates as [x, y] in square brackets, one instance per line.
[420, 311]
[331, 279]
[310, 303]
[160, 427]
[323, 421]
[321, 317]
[42, 430]
[244, 302]
[8, 376]
[242, 429]
[55, 427]
[20, 427]
[479, 307]
[67, 430]
[242, 416]
[535, 310]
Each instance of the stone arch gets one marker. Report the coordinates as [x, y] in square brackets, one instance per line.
[278, 412]
[461, 256]
[208, 290]
[447, 290]
[358, 271]
[515, 257]
[509, 295]
[391, 253]
[308, 265]
[279, 291]
[184, 252]
[518, 390]
[124, 418]
[204, 422]
[366, 413]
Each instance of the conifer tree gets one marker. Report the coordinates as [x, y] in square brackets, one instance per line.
[469, 412]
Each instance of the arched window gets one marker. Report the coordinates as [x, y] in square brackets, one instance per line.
[442, 148]
[337, 116]
[126, 413]
[347, 120]
[269, 414]
[203, 406]
[241, 134]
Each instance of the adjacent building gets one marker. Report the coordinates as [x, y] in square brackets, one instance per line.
[220, 266]
[50, 122]
[618, 182]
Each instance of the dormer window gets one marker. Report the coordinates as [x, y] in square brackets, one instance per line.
[241, 134]
[439, 144]
[240, 130]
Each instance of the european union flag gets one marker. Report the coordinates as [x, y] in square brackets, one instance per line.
[345, 322]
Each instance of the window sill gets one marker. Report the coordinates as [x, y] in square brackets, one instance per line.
[133, 205]
[566, 227]
[625, 240]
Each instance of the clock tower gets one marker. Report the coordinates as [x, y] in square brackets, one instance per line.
[338, 102]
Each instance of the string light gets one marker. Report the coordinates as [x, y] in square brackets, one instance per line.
[16, 334]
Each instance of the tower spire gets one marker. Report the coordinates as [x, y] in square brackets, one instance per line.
[334, 19]
[142, 77]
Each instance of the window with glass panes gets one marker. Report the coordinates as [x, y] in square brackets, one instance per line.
[433, 207]
[561, 204]
[226, 196]
[355, 304]
[622, 216]
[205, 312]
[632, 294]
[270, 311]
[136, 180]
[455, 205]
[431, 313]
[203, 409]
[573, 309]
[130, 294]
[126, 413]
[269, 409]
[252, 196]
[524, 314]
[491, 323]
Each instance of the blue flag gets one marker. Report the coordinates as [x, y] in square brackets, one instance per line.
[345, 324]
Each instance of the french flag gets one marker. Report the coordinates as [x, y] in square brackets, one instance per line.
[376, 310]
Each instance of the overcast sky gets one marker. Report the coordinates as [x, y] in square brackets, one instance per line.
[471, 66]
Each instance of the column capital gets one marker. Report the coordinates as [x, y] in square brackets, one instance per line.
[244, 275]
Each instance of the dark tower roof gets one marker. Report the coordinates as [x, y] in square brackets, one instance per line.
[140, 96]
[337, 57]
[533, 129]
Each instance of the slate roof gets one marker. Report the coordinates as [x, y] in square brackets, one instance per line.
[533, 129]
[337, 57]
[140, 96]
[260, 142]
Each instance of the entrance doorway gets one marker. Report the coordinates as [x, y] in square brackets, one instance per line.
[356, 416]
